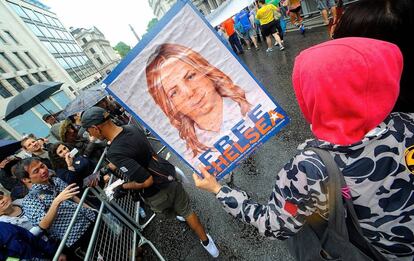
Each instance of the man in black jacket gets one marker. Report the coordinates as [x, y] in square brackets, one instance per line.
[153, 176]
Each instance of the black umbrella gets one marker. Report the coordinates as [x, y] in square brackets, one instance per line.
[8, 147]
[29, 98]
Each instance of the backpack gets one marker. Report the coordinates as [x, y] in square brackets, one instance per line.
[239, 28]
[339, 238]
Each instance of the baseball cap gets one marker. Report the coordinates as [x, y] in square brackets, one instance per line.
[93, 116]
[45, 116]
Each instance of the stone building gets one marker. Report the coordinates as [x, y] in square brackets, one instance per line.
[35, 47]
[97, 48]
[160, 7]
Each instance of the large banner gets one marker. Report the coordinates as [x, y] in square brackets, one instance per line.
[184, 84]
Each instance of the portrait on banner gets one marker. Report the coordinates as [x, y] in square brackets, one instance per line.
[188, 88]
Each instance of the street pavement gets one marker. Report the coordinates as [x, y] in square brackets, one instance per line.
[256, 175]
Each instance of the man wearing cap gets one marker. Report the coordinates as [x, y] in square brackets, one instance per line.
[49, 118]
[54, 129]
[133, 155]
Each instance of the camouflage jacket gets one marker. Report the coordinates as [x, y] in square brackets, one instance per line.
[377, 171]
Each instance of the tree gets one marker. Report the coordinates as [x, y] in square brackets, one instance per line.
[122, 48]
[151, 23]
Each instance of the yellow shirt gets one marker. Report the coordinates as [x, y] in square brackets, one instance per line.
[265, 14]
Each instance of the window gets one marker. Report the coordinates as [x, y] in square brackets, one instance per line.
[11, 37]
[66, 47]
[45, 31]
[70, 62]
[50, 47]
[73, 75]
[68, 36]
[58, 47]
[47, 76]
[37, 77]
[42, 17]
[61, 98]
[4, 135]
[78, 48]
[24, 123]
[16, 85]
[2, 40]
[61, 34]
[77, 61]
[2, 70]
[4, 92]
[92, 50]
[35, 30]
[50, 20]
[63, 63]
[19, 11]
[46, 106]
[54, 33]
[4, 56]
[58, 23]
[84, 40]
[21, 59]
[31, 14]
[72, 48]
[27, 80]
[85, 59]
[31, 59]
[99, 60]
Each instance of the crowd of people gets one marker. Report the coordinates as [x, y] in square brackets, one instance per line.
[39, 189]
[266, 19]
[41, 185]
[364, 121]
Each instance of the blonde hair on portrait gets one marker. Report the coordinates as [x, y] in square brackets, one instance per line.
[222, 83]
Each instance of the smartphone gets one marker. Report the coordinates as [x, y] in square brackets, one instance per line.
[73, 152]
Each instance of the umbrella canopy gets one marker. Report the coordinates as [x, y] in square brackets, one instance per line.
[29, 98]
[8, 147]
[83, 101]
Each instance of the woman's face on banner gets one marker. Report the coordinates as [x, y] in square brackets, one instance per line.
[191, 91]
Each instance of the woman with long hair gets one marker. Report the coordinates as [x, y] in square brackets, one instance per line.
[70, 169]
[192, 93]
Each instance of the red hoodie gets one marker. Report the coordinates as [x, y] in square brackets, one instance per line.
[346, 87]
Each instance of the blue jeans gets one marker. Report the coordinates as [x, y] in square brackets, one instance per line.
[235, 43]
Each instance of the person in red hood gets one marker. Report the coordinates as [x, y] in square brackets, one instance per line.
[347, 98]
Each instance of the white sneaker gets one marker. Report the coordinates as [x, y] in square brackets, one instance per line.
[268, 50]
[180, 218]
[276, 44]
[282, 48]
[211, 247]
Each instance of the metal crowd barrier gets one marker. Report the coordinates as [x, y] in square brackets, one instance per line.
[105, 244]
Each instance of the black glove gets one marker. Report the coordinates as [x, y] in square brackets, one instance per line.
[120, 192]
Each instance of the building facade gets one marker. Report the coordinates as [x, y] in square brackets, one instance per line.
[97, 48]
[35, 47]
[160, 7]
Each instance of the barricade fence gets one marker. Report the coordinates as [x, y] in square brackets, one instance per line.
[117, 232]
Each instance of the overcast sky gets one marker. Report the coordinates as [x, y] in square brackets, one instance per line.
[111, 17]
